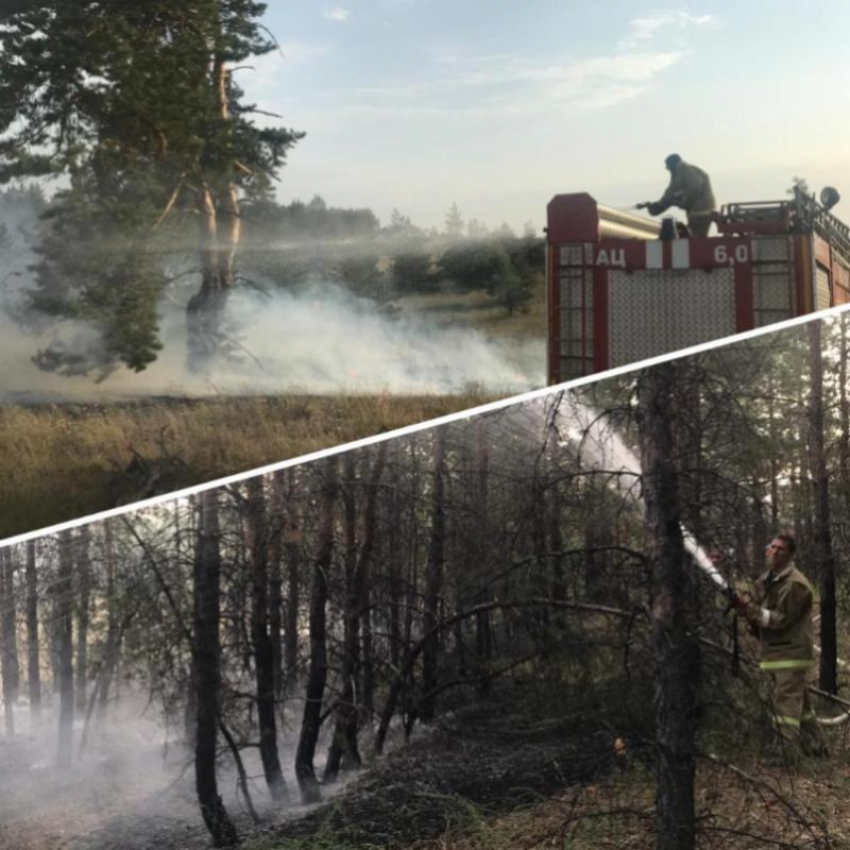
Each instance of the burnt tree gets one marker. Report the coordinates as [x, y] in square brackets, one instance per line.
[259, 548]
[822, 538]
[318, 669]
[82, 574]
[63, 613]
[33, 655]
[206, 653]
[9, 667]
[677, 653]
[434, 577]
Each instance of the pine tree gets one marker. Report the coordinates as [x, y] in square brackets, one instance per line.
[137, 104]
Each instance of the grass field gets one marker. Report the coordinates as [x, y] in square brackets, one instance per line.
[63, 461]
[479, 311]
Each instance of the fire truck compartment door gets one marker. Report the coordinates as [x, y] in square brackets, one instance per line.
[654, 312]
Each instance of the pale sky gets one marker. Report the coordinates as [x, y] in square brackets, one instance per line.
[499, 105]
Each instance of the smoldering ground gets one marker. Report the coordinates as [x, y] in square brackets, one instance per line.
[132, 788]
[319, 338]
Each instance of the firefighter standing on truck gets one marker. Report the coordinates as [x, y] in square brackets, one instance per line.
[781, 618]
[690, 190]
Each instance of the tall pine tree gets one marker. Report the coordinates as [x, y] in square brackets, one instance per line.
[137, 105]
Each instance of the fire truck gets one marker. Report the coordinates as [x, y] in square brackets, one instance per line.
[622, 287]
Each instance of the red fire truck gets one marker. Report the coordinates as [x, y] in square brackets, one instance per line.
[618, 292]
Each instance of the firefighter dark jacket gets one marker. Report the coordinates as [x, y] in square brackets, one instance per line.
[689, 189]
[782, 620]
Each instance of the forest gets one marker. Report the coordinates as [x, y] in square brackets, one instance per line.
[499, 632]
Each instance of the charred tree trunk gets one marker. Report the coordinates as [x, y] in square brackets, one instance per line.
[9, 667]
[844, 416]
[483, 621]
[259, 544]
[83, 576]
[364, 578]
[64, 614]
[293, 538]
[434, 577]
[33, 665]
[207, 671]
[395, 569]
[344, 739]
[276, 582]
[677, 653]
[113, 642]
[263, 654]
[824, 557]
[316, 677]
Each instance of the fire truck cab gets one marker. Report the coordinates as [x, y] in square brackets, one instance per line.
[618, 293]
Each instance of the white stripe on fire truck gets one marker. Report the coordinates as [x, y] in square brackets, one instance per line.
[655, 254]
[681, 253]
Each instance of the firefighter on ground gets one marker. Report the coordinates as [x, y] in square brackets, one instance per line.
[781, 617]
[690, 190]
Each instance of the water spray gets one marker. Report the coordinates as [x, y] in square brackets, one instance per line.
[600, 447]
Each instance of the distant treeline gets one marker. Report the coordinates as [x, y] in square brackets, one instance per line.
[386, 262]
[296, 244]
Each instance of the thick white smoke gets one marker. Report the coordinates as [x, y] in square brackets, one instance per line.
[318, 339]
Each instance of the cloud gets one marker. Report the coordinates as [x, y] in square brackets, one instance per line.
[647, 27]
[501, 86]
[262, 77]
[337, 14]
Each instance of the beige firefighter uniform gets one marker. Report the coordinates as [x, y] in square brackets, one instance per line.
[781, 617]
[690, 189]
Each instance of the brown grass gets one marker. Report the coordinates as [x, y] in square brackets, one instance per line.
[802, 809]
[479, 311]
[61, 462]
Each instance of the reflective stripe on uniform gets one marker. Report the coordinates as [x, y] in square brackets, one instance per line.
[792, 664]
[785, 720]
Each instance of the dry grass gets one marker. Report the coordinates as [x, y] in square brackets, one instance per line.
[479, 311]
[60, 462]
[777, 809]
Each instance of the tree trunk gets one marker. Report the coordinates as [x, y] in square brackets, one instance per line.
[263, 655]
[83, 576]
[844, 416]
[220, 221]
[207, 667]
[824, 557]
[677, 654]
[344, 741]
[113, 643]
[276, 582]
[33, 665]
[483, 622]
[434, 577]
[293, 538]
[317, 674]
[396, 561]
[9, 667]
[367, 550]
[64, 614]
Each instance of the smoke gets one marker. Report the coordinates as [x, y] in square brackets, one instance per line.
[318, 338]
[599, 447]
[324, 339]
[133, 787]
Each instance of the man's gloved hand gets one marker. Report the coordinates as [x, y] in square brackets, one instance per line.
[654, 208]
[740, 601]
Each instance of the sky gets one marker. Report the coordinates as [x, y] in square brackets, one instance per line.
[498, 105]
